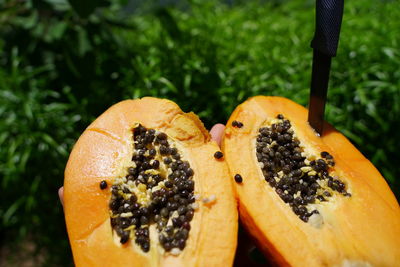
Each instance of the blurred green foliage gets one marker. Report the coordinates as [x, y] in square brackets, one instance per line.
[62, 64]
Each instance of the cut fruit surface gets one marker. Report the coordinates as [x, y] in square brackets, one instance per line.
[143, 188]
[308, 200]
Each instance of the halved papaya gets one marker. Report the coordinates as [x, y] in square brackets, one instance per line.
[142, 188]
[308, 200]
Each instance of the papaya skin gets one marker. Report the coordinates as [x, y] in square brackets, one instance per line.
[362, 229]
[97, 156]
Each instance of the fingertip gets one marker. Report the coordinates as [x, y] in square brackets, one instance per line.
[61, 195]
[217, 132]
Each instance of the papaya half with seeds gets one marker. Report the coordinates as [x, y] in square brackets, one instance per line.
[308, 200]
[142, 188]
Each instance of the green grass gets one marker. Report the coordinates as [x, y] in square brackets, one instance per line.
[59, 71]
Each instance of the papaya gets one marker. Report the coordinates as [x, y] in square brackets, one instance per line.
[308, 200]
[145, 186]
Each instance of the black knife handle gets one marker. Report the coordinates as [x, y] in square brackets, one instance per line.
[328, 20]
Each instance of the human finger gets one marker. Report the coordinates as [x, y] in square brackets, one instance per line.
[216, 132]
[61, 195]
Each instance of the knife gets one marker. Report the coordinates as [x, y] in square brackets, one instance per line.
[328, 20]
